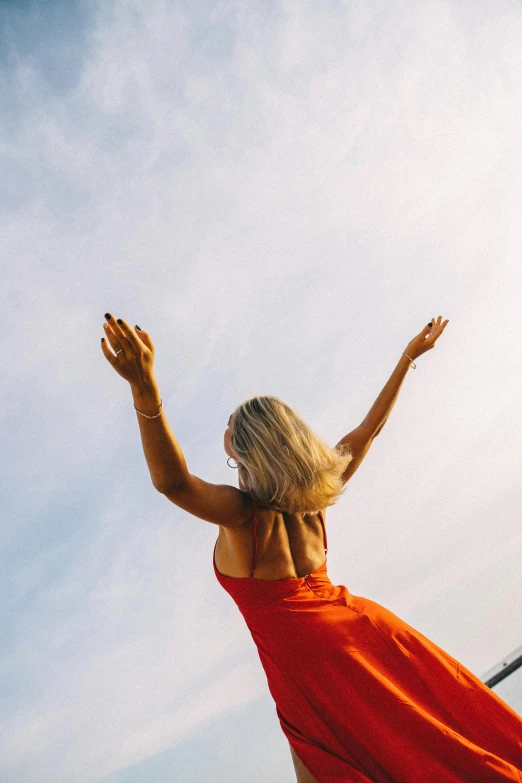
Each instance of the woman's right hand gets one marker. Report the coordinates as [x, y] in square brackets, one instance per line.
[426, 339]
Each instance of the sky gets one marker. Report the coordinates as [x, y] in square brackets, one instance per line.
[282, 193]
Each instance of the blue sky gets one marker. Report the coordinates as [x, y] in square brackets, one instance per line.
[282, 194]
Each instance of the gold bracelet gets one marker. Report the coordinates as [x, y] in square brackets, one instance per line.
[411, 360]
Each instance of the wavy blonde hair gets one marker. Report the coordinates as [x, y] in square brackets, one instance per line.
[282, 463]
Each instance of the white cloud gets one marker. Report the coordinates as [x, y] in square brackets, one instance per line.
[281, 195]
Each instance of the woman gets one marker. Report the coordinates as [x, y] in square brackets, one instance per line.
[360, 695]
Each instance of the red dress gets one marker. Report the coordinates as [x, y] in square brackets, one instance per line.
[362, 696]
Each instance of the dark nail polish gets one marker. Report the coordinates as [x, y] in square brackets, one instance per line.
[103, 338]
[119, 321]
[138, 328]
[430, 324]
[108, 316]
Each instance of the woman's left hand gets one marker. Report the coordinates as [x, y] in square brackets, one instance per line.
[133, 356]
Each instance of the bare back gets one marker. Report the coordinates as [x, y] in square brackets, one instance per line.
[289, 546]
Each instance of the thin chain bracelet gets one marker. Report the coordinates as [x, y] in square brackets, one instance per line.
[150, 417]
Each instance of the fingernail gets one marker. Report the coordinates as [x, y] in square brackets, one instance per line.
[103, 338]
[430, 324]
[138, 328]
[119, 321]
[108, 316]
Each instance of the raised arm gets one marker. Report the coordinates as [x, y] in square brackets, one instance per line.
[362, 437]
[133, 360]
[381, 408]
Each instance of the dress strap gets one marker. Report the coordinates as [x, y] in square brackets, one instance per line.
[324, 532]
[251, 575]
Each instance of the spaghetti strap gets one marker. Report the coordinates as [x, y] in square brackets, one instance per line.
[251, 575]
[324, 532]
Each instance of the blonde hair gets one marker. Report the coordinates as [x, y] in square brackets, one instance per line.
[282, 463]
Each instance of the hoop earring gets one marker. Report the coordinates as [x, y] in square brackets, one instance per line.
[231, 466]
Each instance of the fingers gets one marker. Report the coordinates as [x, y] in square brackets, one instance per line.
[112, 339]
[128, 333]
[437, 328]
[123, 335]
[108, 353]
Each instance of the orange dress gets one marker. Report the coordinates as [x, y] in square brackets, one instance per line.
[362, 696]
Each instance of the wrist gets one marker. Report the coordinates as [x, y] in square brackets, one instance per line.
[145, 386]
[409, 357]
[146, 396]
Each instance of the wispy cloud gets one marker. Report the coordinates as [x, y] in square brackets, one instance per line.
[281, 194]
